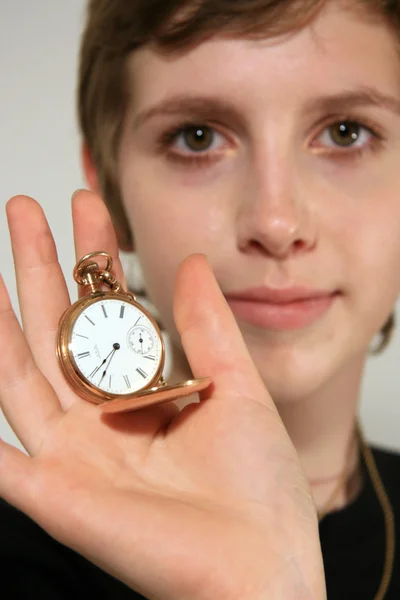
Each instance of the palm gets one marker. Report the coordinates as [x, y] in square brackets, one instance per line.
[191, 496]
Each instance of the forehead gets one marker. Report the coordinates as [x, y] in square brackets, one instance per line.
[338, 49]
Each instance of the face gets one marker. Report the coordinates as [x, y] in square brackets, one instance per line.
[279, 160]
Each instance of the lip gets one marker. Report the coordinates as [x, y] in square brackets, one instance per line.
[281, 309]
[279, 295]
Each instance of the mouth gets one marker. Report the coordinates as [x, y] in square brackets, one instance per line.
[289, 315]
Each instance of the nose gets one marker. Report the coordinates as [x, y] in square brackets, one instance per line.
[275, 218]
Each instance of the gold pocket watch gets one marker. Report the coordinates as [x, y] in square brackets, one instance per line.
[111, 349]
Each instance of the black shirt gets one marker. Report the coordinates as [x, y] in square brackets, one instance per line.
[32, 564]
[353, 539]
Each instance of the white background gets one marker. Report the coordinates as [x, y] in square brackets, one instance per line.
[39, 156]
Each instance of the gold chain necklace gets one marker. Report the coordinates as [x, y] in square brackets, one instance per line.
[384, 502]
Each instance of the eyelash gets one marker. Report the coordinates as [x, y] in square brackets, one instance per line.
[206, 157]
[192, 158]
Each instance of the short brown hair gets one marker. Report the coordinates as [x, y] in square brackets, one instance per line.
[115, 28]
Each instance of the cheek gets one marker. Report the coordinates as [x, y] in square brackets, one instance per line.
[168, 225]
[371, 237]
[362, 214]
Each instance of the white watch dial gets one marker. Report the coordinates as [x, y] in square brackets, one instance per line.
[115, 346]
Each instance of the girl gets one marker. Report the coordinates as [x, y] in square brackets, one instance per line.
[265, 136]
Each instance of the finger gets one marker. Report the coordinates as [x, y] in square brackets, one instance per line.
[42, 291]
[210, 336]
[26, 397]
[94, 231]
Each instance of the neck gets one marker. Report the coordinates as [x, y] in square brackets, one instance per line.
[322, 429]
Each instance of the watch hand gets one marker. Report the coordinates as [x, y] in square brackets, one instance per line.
[93, 373]
[115, 348]
[105, 371]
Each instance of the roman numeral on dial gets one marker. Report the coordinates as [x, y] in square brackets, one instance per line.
[142, 373]
[83, 354]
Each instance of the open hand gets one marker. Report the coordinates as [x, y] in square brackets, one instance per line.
[209, 502]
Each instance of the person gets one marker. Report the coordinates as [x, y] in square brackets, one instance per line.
[247, 153]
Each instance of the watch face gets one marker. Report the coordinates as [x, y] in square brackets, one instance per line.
[115, 346]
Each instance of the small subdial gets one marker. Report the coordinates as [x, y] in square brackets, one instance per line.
[140, 339]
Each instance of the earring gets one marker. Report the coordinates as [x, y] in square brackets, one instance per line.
[386, 335]
[135, 282]
[133, 272]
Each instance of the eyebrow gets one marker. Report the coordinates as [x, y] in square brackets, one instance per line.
[200, 107]
[206, 107]
[362, 96]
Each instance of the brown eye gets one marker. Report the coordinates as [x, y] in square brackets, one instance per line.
[345, 133]
[198, 138]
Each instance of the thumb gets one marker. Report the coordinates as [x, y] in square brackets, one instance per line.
[210, 336]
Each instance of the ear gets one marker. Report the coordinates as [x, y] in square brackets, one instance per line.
[92, 181]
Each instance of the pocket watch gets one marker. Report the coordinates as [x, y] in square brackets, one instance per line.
[111, 349]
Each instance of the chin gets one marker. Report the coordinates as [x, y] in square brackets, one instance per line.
[295, 372]
[296, 390]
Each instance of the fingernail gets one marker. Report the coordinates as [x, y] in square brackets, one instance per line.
[77, 192]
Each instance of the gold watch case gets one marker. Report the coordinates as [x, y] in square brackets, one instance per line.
[154, 391]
